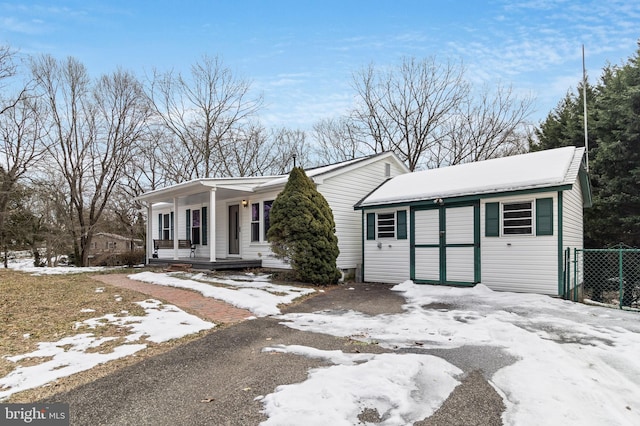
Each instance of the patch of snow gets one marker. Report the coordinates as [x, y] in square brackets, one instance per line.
[401, 388]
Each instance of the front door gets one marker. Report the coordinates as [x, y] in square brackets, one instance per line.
[234, 229]
[445, 244]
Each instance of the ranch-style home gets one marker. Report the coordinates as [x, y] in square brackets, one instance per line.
[219, 223]
[504, 222]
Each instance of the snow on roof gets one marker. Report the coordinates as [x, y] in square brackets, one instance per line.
[526, 171]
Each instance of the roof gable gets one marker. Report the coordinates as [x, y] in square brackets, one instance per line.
[534, 170]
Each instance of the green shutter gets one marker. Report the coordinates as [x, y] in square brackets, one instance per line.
[188, 215]
[160, 226]
[402, 224]
[544, 216]
[205, 232]
[371, 226]
[171, 225]
[492, 220]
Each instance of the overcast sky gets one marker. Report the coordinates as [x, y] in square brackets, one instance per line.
[301, 54]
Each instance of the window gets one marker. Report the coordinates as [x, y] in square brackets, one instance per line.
[255, 222]
[386, 225]
[195, 227]
[167, 226]
[517, 218]
[266, 208]
[387, 170]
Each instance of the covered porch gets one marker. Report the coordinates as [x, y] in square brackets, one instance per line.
[200, 223]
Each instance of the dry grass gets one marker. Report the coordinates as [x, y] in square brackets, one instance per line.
[46, 308]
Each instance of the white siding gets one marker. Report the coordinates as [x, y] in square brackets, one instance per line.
[427, 223]
[572, 219]
[256, 249]
[342, 192]
[388, 263]
[520, 263]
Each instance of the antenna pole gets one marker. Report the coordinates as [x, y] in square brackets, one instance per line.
[584, 98]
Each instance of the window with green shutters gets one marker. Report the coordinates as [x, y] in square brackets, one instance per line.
[492, 220]
[544, 216]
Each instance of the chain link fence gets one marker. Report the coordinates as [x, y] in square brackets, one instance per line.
[604, 276]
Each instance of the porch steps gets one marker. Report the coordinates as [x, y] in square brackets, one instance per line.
[178, 267]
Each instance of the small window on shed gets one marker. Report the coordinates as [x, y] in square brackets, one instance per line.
[386, 225]
[517, 218]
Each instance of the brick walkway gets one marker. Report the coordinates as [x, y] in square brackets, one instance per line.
[205, 307]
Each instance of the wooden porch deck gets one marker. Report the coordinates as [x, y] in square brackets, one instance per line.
[205, 263]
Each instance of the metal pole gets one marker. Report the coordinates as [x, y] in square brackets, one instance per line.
[584, 98]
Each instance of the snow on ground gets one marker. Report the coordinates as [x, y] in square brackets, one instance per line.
[249, 292]
[575, 364]
[69, 355]
[26, 265]
[406, 387]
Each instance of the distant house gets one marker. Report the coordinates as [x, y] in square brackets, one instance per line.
[223, 222]
[106, 243]
[503, 222]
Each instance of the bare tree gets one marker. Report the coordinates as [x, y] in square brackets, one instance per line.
[21, 147]
[404, 109]
[339, 139]
[202, 111]
[96, 128]
[494, 125]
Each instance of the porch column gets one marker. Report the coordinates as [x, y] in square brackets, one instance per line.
[212, 225]
[149, 250]
[175, 228]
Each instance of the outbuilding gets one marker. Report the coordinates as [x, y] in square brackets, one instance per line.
[503, 222]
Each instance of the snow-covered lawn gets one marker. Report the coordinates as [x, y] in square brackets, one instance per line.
[77, 353]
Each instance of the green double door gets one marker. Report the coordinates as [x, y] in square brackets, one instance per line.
[445, 244]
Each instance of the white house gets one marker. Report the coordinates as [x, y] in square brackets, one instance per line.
[222, 222]
[503, 222]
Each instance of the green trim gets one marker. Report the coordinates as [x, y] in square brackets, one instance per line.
[442, 245]
[544, 216]
[560, 247]
[412, 245]
[476, 237]
[429, 203]
[585, 187]
[362, 245]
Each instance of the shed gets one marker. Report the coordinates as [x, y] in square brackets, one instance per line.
[503, 222]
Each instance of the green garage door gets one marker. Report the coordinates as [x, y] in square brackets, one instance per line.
[445, 244]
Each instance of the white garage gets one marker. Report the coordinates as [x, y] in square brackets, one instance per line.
[504, 222]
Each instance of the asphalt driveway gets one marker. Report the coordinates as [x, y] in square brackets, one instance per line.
[215, 380]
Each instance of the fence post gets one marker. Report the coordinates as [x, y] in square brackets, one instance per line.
[575, 274]
[620, 278]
